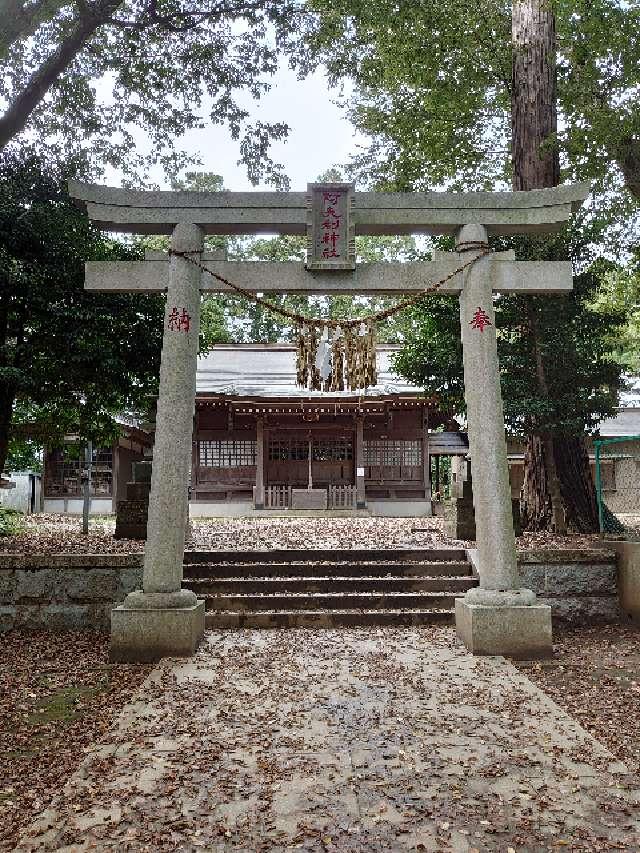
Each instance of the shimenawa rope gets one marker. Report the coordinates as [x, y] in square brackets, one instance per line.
[349, 359]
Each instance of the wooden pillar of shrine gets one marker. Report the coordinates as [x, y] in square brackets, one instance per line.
[259, 490]
[426, 459]
[361, 497]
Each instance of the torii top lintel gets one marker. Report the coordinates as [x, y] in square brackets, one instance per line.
[157, 212]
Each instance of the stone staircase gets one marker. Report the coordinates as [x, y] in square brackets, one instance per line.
[314, 589]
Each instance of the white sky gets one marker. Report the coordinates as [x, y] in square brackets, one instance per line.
[320, 136]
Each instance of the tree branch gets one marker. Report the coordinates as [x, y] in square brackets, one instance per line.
[20, 21]
[180, 22]
[628, 157]
[16, 116]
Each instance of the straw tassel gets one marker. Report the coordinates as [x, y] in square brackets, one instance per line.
[302, 358]
[337, 361]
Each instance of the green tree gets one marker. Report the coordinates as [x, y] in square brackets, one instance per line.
[84, 75]
[469, 94]
[583, 378]
[69, 360]
[433, 88]
[620, 291]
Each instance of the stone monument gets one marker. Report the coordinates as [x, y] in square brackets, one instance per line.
[459, 515]
[132, 513]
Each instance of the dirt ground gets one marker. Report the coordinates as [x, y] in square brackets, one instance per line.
[59, 533]
[595, 677]
[58, 694]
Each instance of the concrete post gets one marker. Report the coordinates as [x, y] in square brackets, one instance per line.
[259, 496]
[163, 618]
[498, 617]
[361, 499]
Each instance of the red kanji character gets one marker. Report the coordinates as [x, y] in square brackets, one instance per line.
[480, 319]
[330, 253]
[331, 224]
[185, 321]
[174, 320]
[179, 321]
[331, 197]
[330, 237]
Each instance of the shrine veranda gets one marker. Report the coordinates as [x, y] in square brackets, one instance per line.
[498, 617]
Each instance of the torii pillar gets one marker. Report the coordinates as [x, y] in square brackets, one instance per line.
[162, 618]
[498, 617]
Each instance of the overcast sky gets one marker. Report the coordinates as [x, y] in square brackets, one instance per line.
[320, 136]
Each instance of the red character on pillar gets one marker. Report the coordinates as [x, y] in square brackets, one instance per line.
[179, 320]
[480, 319]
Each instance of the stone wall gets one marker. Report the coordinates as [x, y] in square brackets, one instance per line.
[580, 586]
[628, 553]
[67, 592]
[63, 591]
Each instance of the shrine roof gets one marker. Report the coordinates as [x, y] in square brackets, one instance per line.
[626, 422]
[269, 371]
[627, 419]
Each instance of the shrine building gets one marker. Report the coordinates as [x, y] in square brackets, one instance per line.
[262, 442]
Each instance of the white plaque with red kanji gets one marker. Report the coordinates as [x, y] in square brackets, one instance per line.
[330, 227]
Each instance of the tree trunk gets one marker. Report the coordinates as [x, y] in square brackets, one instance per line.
[7, 392]
[576, 482]
[7, 396]
[628, 157]
[534, 114]
[549, 497]
[80, 32]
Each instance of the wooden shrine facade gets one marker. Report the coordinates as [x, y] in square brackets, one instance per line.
[260, 439]
[62, 486]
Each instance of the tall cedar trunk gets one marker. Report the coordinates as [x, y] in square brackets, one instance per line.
[536, 164]
[534, 115]
[558, 487]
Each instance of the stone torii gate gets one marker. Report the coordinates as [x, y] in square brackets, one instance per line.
[498, 617]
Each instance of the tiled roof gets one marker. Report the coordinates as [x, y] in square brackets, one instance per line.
[269, 370]
[626, 422]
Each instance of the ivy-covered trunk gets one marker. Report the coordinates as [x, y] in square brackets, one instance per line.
[558, 487]
[576, 482]
[6, 410]
[7, 394]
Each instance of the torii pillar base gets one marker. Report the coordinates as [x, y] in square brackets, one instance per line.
[143, 630]
[495, 623]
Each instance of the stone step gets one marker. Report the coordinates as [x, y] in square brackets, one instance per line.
[327, 584]
[326, 618]
[348, 555]
[335, 601]
[275, 569]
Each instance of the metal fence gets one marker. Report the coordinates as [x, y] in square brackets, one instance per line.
[618, 484]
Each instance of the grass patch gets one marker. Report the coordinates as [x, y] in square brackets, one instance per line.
[10, 521]
[64, 705]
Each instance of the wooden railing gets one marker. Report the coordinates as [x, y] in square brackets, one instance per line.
[342, 497]
[277, 497]
[339, 497]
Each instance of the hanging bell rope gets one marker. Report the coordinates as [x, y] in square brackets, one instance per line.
[334, 355]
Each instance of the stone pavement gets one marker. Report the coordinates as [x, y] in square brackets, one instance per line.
[352, 740]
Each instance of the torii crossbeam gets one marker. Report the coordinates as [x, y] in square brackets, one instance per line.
[498, 617]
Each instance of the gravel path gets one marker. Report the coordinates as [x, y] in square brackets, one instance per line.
[358, 740]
